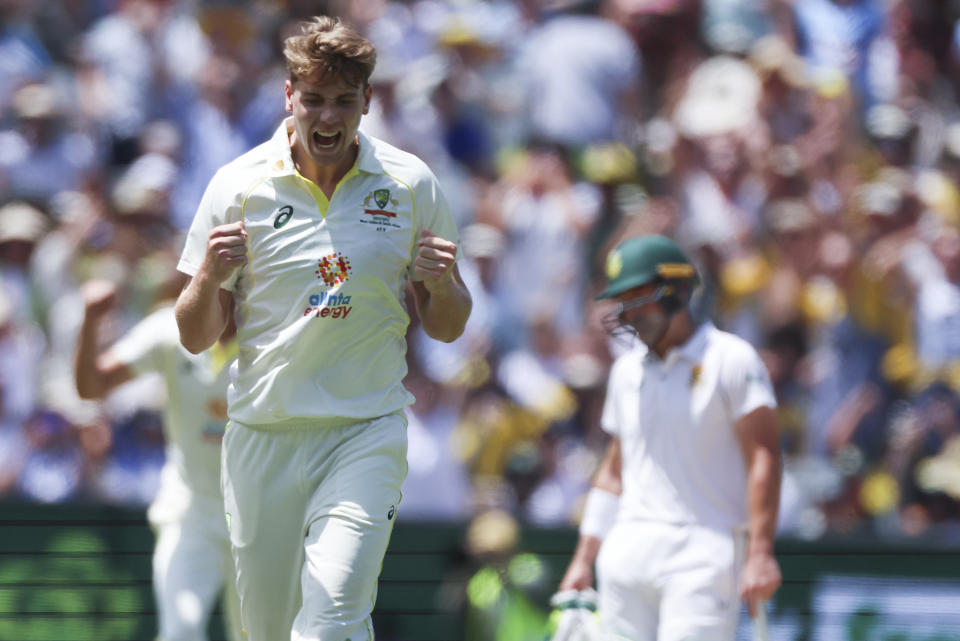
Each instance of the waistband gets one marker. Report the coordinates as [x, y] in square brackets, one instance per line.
[312, 423]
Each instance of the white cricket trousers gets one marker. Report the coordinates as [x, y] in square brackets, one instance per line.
[310, 513]
[192, 564]
[663, 582]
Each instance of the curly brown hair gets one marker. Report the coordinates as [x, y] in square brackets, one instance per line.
[332, 46]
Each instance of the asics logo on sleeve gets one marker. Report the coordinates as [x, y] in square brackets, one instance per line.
[284, 214]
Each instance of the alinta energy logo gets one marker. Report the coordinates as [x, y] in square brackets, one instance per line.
[333, 270]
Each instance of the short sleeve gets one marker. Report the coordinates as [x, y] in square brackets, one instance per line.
[217, 207]
[612, 418]
[745, 381]
[432, 213]
[144, 348]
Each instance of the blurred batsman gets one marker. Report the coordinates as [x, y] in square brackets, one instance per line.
[681, 516]
[191, 559]
[313, 239]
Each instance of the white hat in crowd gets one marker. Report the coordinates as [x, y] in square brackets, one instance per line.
[721, 96]
[20, 221]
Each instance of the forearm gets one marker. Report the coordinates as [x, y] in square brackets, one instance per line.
[763, 500]
[87, 378]
[587, 549]
[599, 515]
[201, 317]
[444, 312]
[758, 436]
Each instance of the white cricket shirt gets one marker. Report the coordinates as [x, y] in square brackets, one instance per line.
[196, 410]
[320, 304]
[681, 460]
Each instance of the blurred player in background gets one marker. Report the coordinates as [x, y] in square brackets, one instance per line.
[191, 560]
[681, 516]
[312, 238]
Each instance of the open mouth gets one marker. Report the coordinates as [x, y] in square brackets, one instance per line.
[326, 140]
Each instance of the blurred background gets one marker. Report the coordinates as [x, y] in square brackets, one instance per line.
[806, 153]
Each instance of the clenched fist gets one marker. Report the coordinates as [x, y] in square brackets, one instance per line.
[99, 296]
[226, 250]
[434, 261]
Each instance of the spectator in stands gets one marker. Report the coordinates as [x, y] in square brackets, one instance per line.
[43, 154]
[581, 75]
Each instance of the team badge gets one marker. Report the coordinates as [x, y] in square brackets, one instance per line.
[614, 264]
[695, 372]
[333, 269]
[381, 199]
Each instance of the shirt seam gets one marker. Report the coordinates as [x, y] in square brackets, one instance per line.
[413, 210]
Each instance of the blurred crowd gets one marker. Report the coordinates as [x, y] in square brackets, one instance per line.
[806, 153]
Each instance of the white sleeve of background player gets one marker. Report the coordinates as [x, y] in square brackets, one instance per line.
[144, 348]
[612, 418]
[218, 206]
[432, 212]
[745, 380]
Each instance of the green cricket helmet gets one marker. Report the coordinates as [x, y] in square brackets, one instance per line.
[650, 259]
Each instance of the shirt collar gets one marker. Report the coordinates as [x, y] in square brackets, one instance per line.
[692, 350]
[281, 160]
[367, 158]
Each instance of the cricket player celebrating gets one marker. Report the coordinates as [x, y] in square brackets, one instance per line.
[191, 558]
[681, 516]
[312, 238]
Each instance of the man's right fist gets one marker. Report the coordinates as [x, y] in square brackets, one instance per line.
[99, 296]
[226, 250]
